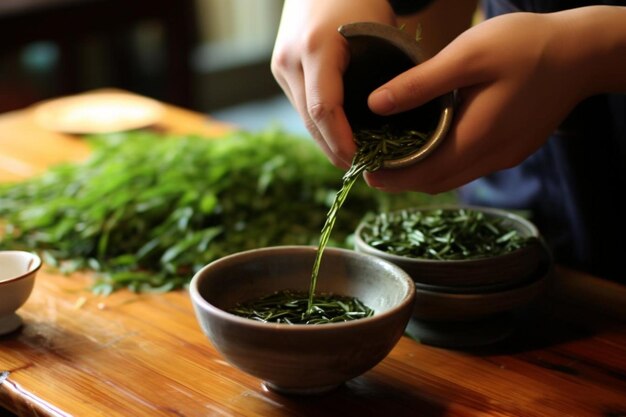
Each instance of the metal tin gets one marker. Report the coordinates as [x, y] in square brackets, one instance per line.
[378, 53]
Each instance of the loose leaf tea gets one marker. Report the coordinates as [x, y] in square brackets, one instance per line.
[374, 147]
[291, 307]
[442, 234]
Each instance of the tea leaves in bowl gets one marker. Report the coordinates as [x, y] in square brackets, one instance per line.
[292, 307]
[441, 234]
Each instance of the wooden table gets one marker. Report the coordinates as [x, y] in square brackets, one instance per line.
[144, 355]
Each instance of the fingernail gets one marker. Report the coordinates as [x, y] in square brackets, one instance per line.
[372, 182]
[381, 101]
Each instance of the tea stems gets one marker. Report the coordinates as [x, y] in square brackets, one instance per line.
[377, 145]
[349, 179]
[374, 147]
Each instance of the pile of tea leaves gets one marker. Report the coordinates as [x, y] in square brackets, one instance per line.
[147, 210]
[291, 307]
[441, 234]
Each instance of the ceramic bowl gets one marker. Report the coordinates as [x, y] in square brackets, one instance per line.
[440, 305]
[17, 278]
[473, 302]
[302, 359]
[496, 272]
[482, 317]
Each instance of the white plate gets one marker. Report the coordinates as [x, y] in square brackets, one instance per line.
[98, 113]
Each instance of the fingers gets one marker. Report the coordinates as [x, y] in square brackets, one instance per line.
[452, 68]
[293, 86]
[312, 80]
[463, 156]
[324, 100]
[309, 60]
[510, 102]
[288, 72]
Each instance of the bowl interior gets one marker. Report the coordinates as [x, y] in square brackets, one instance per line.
[509, 221]
[257, 273]
[500, 270]
[17, 277]
[16, 264]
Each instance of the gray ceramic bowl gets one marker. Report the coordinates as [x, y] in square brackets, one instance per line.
[471, 319]
[437, 305]
[302, 359]
[497, 272]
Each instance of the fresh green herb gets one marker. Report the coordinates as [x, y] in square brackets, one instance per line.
[443, 234]
[148, 210]
[291, 307]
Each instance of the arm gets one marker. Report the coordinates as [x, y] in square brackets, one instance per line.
[440, 23]
[518, 76]
[597, 45]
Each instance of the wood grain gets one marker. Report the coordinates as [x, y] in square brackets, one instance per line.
[128, 354]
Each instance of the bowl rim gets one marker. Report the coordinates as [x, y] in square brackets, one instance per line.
[408, 299]
[540, 276]
[33, 268]
[494, 211]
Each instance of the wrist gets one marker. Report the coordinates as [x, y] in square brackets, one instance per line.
[591, 43]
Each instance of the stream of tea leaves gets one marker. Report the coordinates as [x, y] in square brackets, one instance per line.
[374, 147]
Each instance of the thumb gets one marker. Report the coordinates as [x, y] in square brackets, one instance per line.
[439, 75]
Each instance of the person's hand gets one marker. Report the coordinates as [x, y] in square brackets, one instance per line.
[309, 59]
[518, 76]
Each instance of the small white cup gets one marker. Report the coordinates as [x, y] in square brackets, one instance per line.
[17, 278]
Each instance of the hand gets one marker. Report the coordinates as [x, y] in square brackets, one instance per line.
[309, 59]
[518, 76]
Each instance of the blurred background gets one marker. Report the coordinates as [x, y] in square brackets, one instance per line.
[210, 56]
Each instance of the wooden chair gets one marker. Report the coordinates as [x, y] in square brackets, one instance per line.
[67, 22]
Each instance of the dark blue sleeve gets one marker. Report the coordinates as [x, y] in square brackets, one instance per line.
[404, 7]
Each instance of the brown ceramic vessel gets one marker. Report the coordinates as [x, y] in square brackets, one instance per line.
[495, 272]
[302, 359]
[474, 302]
